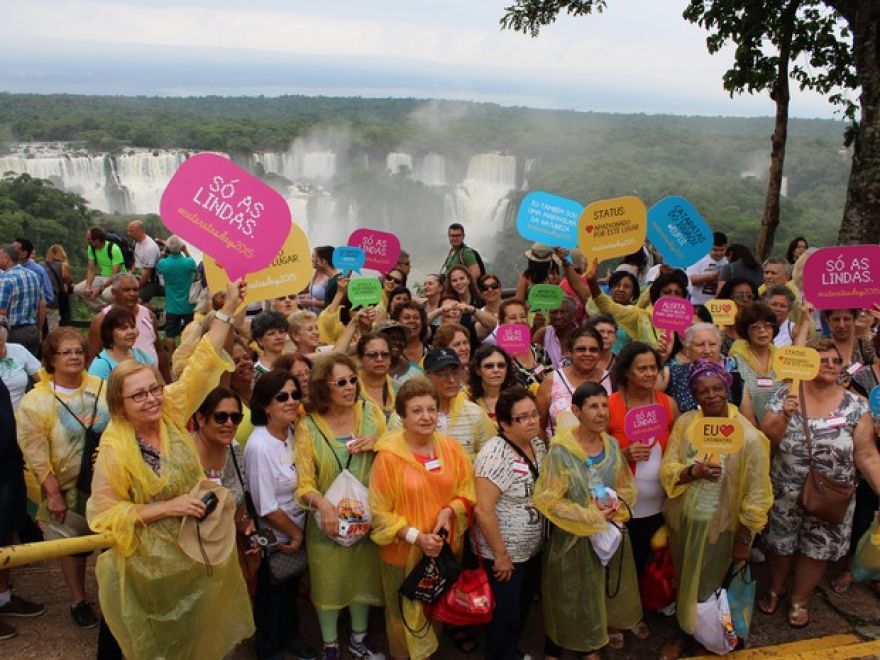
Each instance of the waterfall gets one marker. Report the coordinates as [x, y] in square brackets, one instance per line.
[432, 170]
[396, 160]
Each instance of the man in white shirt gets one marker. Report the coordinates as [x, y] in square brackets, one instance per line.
[703, 275]
[146, 255]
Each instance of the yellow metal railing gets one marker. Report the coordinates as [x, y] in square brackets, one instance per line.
[31, 553]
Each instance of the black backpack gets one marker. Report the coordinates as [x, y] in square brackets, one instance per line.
[124, 246]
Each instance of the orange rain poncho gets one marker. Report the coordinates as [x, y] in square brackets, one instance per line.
[158, 602]
[339, 575]
[403, 493]
[576, 610]
[703, 516]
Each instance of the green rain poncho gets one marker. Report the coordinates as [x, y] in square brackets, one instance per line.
[703, 516]
[577, 612]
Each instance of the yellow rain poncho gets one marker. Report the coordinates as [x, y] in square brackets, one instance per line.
[403, 493]
[158, 602]
[339, 575]
[386, 402]
[703, 516]
[637, 321]
[576, 610]
[51, 440]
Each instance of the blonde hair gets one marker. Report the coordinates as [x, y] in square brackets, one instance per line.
[126, 368]
[297, 319]
[56, 252]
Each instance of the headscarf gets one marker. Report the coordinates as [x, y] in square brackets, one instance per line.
[704, 368]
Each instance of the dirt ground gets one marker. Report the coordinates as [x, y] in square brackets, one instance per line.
[54, 635]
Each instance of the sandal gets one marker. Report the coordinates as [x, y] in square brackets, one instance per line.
[615, 640]
[769, 602]
[641, 630]
[798, 615]
[840, 585]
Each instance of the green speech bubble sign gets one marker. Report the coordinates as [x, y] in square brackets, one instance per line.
[545, 296]
[363, 291]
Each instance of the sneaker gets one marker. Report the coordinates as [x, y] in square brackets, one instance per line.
[330, 653]
[84, 615]
[7, 631]
[18, 606]
[301, 650]
[364, 649]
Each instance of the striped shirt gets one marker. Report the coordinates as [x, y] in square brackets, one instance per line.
[20, 294]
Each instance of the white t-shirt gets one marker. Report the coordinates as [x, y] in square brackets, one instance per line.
[271, 477]
[701, 293]
[651, 493]
[783, 337]
[15, 368]
[519, 522]
[146, 253]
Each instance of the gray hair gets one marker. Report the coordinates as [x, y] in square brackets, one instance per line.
[779, 261]
[174, 244]
[780, 290]
[12, 252]
[699, 327]
[569, 304]
[118, 278]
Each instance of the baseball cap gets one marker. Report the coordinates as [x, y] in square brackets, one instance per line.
[438, 358]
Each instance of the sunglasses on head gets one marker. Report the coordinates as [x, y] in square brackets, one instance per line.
[223, 417]
[282, 397]
[391, 278]
[342, 382]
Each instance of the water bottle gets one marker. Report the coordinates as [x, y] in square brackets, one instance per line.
[597, 486]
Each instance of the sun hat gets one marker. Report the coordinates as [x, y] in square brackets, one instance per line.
[209, 541]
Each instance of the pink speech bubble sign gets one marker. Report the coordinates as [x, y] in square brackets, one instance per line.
[381, 248]
[843, 277]
[673, 314]
[515, 338]
[226, 213]
[645, 423]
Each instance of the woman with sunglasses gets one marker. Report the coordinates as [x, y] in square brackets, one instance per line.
[145, 475]
[392, 280]
[374, 356]
[489, 287]
[490, 372]
[271, 480]
[838, 427]
[338, 432]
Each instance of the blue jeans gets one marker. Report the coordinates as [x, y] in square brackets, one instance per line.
[512, 602]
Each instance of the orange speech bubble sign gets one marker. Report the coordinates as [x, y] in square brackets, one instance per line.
[723, 312]
[612, 228]
[717, 435]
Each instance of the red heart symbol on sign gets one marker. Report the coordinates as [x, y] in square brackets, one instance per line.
[726, 430]
[725, 308]
[589, 229]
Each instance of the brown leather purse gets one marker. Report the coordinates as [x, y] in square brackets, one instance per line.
[822, 497]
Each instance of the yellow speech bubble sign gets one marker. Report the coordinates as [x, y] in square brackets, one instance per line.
[717, 435]
[612, 228]
[288, 273]
[797, 363]
[723, 312]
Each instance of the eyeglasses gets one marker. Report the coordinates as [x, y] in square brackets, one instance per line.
[456, 235]
[391, 278]
[762, 326]
[76, 351]
[744, 295]
[494, 365]
[140, 396]
[283, 397]
[835, 361]
[377, 355]
[223, 417]
[528, 417]
[342, 382]
[494, 286]
[291, 297]
[585, 349]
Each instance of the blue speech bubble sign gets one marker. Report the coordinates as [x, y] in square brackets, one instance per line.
[678, 231]
[549, 219]
[874, 400]
[349, 258]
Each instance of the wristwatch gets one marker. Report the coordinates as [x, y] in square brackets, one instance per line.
[223, 318]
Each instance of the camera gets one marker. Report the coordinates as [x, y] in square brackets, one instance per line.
[262, 538]
[210, 501]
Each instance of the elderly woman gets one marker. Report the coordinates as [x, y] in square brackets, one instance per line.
[271, 480]
[577, 610]
[554, 337]
[154, 596]
[756, 325]
[18, 366]
[531, 367]
[420, 484]
[55, 421]
[716, 506]
[374, 356]
[856, 351]
[510, 531]
[338, 432]
[828, 429]
[269, 330]
[490, 372]
[781, 301]
[303, 330]
[118, 334]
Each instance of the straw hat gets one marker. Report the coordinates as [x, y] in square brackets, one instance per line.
[211, 540]
[540, 252]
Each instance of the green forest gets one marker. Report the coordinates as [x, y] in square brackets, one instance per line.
[581, 155]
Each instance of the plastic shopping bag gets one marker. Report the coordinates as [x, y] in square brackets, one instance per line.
[741, 598]
[606, 542]
[866, 562]
[715, 628]
[349, 496]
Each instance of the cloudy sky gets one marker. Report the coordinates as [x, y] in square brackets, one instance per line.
[639, 56]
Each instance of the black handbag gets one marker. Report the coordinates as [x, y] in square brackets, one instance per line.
[428, 581]
[89, 452]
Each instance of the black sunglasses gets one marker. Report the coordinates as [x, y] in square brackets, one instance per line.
[223, 417]
[490, 287]
[391, 278]
[342, 382]
[282, 397]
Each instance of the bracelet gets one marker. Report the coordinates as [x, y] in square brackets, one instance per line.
[412, 535]
[223, 318]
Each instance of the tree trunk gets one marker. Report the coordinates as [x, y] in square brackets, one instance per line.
[861, 216]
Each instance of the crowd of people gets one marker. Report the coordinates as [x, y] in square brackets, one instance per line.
[249, 455]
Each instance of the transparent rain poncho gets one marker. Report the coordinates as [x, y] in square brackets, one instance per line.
[403, 493]
[576, 610]
[158, 602]
[703, 516]
[339, 575]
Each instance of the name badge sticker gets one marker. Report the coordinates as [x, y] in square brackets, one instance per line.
[764, 383]
[835, 422]
[520, 468]
[854, 368]
[433, 465]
